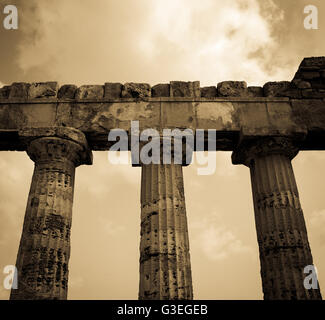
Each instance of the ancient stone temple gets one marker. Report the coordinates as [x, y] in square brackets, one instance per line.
[265, 127]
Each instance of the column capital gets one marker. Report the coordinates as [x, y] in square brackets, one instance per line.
[261, 146]
[56, 144]
[171, 150]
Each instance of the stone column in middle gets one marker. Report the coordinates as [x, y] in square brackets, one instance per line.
[165, 269]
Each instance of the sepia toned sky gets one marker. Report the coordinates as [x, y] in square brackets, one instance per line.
[156, 41]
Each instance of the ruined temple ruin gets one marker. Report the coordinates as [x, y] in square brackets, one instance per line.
[265, 127]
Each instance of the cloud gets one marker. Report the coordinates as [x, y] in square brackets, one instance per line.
[317, 222]
[110, 228]
[76, 282]
[174, 40]
[318, 217]
[305, 157]
[219, 243]
[215, 239]
[12, 209]
[213, 40]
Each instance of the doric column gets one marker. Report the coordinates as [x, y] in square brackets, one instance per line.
[280, 225]
[165, 268]
[44, 250]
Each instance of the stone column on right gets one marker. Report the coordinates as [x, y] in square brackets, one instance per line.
[281, 231]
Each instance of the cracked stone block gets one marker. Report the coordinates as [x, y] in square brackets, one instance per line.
[300, 84]
[313, 94]
[185, 89]
[160, 90]
[311, 69]
[43, 89]
[318, 62]
[232, 89]
[90, 92]
[67, 91]
[136, 90]
[113, 90]
[276, 89]
[292, 93]
[309, 75]
[209, 92]
[19, 90]
[4, 92]
[255, 92]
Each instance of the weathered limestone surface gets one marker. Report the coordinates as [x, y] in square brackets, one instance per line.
[280, 225]
[44, 250]
[276, 89]
[113, 90]
[165, 267]
[232, 89]
[67, 91]
[165, 270]
[185, 89]
[90, 92]
[227, 108]
[227, 117]
[40, 90]
[209, 92]
[161, 90]
[255, 92]
[136, 90]
[19, 90]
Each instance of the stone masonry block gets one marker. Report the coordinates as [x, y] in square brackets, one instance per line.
[160, 90]
[232, 89]
[67, 91]
[43, 89]
[19, 90]
[185, 89]
[276, 89]
[113, 90]
[309, 75]
[255, 92]
[209, 92]
[136, 90]
[4, 92]
[318, 62]
[90, 92]
[313, 94]
[300, 84]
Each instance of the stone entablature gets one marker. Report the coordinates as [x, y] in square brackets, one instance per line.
[277, 108]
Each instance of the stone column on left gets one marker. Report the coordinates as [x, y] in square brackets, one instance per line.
[44, 250]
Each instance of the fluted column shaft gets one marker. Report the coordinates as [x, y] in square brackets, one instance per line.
[165, 270]
[280, 225]
[44, 250]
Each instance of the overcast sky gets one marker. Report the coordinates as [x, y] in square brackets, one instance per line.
[98, 41]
